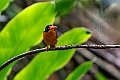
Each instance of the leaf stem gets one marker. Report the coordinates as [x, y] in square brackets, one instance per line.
[66, 47]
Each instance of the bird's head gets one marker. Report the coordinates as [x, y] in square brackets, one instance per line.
[50, 27]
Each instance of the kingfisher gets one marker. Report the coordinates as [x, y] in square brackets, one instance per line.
[50, 36]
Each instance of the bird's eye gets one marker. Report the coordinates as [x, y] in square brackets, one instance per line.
[47, 28]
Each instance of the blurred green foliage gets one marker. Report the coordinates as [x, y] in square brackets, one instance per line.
[25, 30]
[63, 6]
[4, 4]
[80, 71]
[100, 76]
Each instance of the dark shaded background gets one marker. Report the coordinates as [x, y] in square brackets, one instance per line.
[102, 18]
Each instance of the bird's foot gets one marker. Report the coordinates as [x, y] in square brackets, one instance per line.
[46, 48]
[54, 47]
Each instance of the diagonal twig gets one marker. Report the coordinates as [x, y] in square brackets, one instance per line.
[66, 47]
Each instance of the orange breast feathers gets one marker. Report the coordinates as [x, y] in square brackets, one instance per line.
[49, 36]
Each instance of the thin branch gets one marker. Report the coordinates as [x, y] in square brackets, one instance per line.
[66, 47]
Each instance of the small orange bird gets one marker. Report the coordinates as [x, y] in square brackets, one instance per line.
[49, 36]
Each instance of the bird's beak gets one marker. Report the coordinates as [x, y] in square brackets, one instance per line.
[53, 27]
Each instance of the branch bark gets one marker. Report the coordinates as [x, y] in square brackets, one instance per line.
[66, 47]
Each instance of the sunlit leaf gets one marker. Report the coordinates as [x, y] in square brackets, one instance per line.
[24, 31]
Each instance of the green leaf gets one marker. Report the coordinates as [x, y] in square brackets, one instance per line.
[63, 6]
[4, 4]
[80, 71]
[24, 31]
[100, 76]
[45, 63]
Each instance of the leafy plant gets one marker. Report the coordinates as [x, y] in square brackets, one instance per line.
[25, 30]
